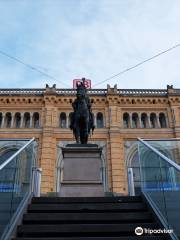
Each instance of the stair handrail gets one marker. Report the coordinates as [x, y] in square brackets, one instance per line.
[175, 165]
[160, 139]
[15, 154]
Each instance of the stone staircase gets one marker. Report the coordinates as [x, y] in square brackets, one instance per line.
[87, 218]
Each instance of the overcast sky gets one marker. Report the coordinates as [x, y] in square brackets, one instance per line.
[95, 39]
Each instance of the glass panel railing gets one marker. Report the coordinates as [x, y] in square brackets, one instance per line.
[168, 147]
[10, 146]
[160, 182]
[15, 184]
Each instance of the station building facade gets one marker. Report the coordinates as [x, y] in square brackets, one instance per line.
[121, 116]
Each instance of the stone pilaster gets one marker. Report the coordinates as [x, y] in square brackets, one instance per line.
[149, 121]
[139, 119]
[48, 155]
[130, 119]
[95, 119]
[67, 120]
[31, 120]
[12, 120]
[3, 118]
[119, 182]
[158, 122]
[22, 119]
[48, 160]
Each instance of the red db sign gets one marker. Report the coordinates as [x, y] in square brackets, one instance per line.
[87, 83]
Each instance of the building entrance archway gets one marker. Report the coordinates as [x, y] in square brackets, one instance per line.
[132, 162]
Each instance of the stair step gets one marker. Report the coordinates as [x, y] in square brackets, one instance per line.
[98, 207]
[98, 238]
[80, 230]
[87, 218]
[52, 218]
[68, 200]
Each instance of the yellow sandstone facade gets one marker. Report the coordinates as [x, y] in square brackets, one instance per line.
[121, 116]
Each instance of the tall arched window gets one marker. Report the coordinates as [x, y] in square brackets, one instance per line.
[9, 173]
[8, 120]
[144, 120]
[100, 120]
[63, 120]
[135, 120]
[27, 120]
[17, 120]
[36, 120]
[126, 120]
[162, 120]
[1, 120]
[153, 120]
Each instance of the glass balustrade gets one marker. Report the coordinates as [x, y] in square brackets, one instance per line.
[8, 147]
[15, 182]
[160, 181]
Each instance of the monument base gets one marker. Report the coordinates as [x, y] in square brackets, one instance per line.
[81, 171]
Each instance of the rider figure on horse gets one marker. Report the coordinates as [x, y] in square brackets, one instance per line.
[82, 119]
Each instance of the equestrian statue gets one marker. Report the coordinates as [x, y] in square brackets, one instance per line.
[82, 119]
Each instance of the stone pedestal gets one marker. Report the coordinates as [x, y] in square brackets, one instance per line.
[81, 174]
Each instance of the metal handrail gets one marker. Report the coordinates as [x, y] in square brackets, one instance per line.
[160, 140]
[14, 139]
[161, 155]
[15, 154]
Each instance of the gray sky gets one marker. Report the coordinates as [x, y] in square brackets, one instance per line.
[95, 39]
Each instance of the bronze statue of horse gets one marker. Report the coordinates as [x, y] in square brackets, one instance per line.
[82, 119]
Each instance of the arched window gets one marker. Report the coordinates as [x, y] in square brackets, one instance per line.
[63, 120]
[153, 120]
[17, 120]
[133, 163]
[144, 120]
[36, 120]
[126, 120]
[8, 173]
[135, 120]
[1, 120]
[8, 120]
[27, 120]
[162, 120]
[100, 120]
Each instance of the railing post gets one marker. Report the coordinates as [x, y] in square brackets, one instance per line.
[131, 182]
[37, 182]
